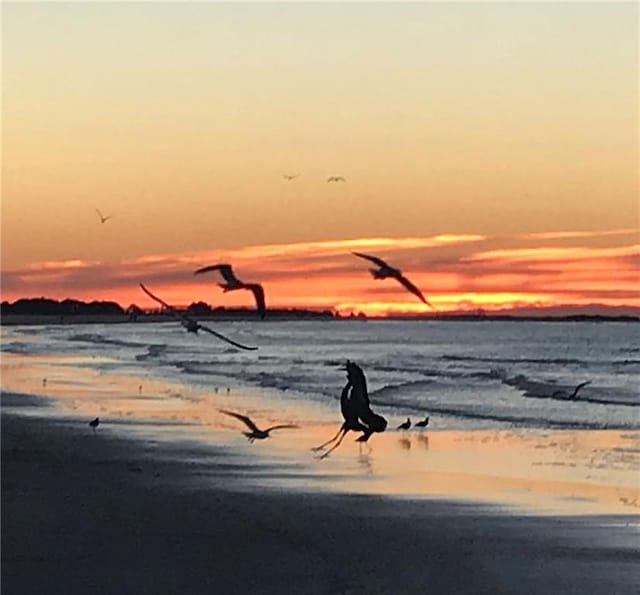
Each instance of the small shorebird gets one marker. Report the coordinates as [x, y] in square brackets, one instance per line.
[103, 219]
[232, 283]
[256, 433]
[191, 325]
[422, 424]
[94, 423]
[573, 395]
[404, 425]
[385, 271]
[335, 179]
[288, 177]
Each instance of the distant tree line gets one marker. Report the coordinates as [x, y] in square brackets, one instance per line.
[68, 307]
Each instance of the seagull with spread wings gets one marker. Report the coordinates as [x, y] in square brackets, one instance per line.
[256, 433]
[193, 326]
[335, 179]
[103, 219]
[385, 271]
[289, 177]
[232, 283]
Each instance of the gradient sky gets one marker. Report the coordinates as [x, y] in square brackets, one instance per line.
[490, 150]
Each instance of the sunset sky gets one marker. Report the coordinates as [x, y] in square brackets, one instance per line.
[490, 151]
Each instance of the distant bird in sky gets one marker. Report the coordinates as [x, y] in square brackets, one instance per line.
[256, 433]
[192, 325]
[94, 423]
[289, 177]
[335, 179]
[385, 271]
[573, 395]
[103, 219]
[422, 424]
[405, 425]
[232, 283]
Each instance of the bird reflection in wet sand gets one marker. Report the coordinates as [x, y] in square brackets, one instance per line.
[356, 411]
[193, 326]
[424, 440]
[386, 271]
[256, 433]
[405, 443]
[232, 283]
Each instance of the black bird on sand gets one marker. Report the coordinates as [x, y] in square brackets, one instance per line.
[386, 271]
[232, 283]
[256, 433]
[422, 424]
[94, 423]
[404, 425]
[193, 326]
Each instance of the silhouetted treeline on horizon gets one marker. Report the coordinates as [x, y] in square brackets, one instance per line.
[27, 310]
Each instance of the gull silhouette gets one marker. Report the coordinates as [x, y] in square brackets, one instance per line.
[335, 179]
[356, 410]
[422, 424]
[193, 326]
[232, 283]
[103, 219]
[404, 425]
[288, 177]
[573, 395]
[94, 423]
[385, 271]
[256, 433]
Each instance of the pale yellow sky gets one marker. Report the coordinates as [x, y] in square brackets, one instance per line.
[179, 119]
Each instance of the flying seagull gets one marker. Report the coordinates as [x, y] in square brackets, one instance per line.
[193, 326]
[94, 423]
[289, 177]
[256, 433]
[335, 179]
[103, 219]
[232, 283]
[385, 271]
[563, 393]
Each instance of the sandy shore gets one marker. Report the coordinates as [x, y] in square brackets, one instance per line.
[85, 513]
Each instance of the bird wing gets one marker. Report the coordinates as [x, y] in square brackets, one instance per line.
[258, 294]
[413, 289]
[280, 427]
[221, 336]
[373, 259]
[225, 270]
[171, 309]
[577, 388]
[188, 319]
[243, 418]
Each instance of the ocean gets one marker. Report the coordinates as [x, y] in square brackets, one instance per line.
[465, 375]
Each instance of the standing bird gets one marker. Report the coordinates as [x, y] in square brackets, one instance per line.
[404, 425]
[193, 326]
[573, 395]
[256, 433]
[103, 219]
[289, 177]
[335, 179]
[356, 410]
[422, 424]
[94, 423]
[232, 283]
[386, 271]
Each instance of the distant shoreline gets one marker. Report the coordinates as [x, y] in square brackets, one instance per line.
[50, 319]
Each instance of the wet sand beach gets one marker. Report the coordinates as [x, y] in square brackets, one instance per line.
[85, 513]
